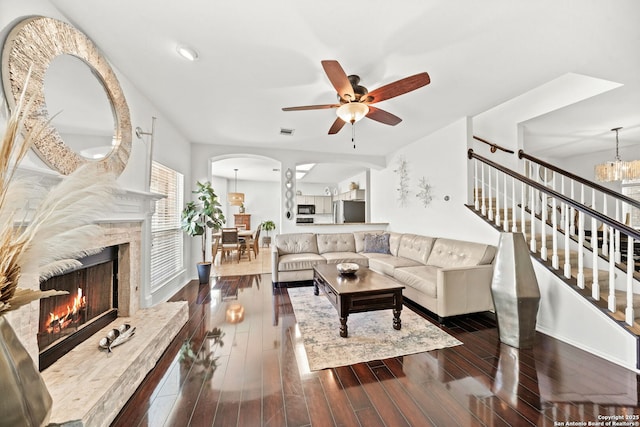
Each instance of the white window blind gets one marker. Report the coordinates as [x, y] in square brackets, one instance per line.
[166, 234]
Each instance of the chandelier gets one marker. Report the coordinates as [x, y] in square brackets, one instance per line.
[235, 198]
[617, 170]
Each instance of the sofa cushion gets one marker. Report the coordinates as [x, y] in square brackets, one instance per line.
[295, 243]
[358, 236]
[458, 253]
[336, 242]
[385, 263]
[294, 262]
[422, 278]
[394, 242]
[377, 243]
[416, 248]
[338, 257]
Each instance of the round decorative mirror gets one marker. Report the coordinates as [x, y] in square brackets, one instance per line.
[80, 109]
[39, 52]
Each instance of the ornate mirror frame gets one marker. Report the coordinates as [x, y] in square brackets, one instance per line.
[32, 44]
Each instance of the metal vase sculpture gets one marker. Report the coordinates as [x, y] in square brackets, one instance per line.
[25, 399]
[515, 291]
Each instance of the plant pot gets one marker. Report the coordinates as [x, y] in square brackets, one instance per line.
[204, 271]
[266, 241]
[25, 398]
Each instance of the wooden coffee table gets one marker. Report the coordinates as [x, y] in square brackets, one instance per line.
[365, 290]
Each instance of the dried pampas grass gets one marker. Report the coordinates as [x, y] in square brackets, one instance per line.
[45, 241]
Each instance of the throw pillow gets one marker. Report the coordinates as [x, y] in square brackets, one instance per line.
[376, 243]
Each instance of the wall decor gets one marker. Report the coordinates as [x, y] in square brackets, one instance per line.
[403, 178]
[288, 194]
[425, 192]
[30, 48]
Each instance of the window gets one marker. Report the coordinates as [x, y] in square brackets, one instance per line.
[166, 235]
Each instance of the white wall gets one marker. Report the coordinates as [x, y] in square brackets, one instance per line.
[170, 147]
[441, 159]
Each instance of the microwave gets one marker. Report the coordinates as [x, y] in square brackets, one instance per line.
[306, 209]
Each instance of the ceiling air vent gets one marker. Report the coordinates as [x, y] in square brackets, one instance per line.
[284, 131]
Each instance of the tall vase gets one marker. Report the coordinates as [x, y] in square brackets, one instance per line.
[515, 292]
[25, 399]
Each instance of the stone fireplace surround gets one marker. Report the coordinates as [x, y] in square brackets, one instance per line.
[90, 386]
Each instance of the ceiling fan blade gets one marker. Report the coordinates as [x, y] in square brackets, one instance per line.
[311, 107]
[339, 79]
[383, 116]
[336, 126]
[398, 87]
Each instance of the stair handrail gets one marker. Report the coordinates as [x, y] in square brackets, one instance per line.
[632, 232]
[591, 184]
[494, 147]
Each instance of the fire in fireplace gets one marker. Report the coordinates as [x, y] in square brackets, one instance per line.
[91, 303]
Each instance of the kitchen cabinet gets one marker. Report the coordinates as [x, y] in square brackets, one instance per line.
[305, 200]
[351, 195]
[322, 203]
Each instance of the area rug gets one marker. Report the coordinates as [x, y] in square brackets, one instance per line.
[371, 334]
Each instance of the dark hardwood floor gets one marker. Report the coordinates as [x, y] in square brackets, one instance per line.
[220, 373]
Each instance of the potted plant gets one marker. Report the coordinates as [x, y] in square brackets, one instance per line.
[199, 216]
[267, 226]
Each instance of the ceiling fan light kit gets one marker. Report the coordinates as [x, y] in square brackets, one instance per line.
[618, 169]
[352, 112]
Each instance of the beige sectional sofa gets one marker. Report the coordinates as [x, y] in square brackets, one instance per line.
[447, 277]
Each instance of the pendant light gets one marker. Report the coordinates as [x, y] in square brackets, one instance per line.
[235, 198]
[617, 170]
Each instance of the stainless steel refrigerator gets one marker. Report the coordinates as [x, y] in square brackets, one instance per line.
[348, 211]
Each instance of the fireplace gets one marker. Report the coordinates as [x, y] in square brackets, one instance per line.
[91, 303]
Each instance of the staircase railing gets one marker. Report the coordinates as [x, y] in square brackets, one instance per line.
[515, 202]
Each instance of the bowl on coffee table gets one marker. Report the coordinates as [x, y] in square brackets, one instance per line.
[347, 268]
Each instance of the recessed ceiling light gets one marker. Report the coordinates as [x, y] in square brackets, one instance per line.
[187, 52]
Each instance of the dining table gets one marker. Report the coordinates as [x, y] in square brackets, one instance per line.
[241, 233]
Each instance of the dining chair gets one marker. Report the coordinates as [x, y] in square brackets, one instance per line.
[255, 243]
[215, 247]
[230, 241]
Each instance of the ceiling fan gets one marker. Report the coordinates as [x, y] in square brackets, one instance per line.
[355, 101]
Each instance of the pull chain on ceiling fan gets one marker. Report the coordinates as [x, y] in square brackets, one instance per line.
[355, 101]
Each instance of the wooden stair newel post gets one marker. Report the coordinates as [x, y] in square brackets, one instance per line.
[515, 291]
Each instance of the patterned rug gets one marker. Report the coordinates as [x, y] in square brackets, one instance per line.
[371, 335]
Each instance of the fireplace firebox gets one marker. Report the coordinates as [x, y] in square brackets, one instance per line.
[91, 304]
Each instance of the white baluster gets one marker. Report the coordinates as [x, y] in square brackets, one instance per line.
[580, 277]
[490, 212]
[476, 202]
[618, 258]
[544, 254]
[532, 221]
[628, 313]
[572, 213]
[612, 275]
[483, 208]
[605, 228]
[595, 287]
[523, 202]
[514, 223]
[555, 260]
[567, 261]
[497, 217]
[563, 207]
[505, 222]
